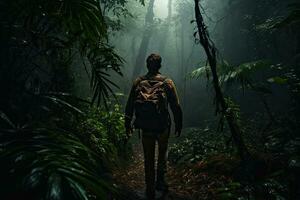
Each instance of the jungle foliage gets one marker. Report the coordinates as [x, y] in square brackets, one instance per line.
[56, 145]
[270, 136]
[43, 155]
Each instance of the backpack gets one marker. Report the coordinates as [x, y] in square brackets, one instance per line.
[151, 105]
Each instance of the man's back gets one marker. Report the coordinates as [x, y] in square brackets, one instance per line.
[169, 89]
[149, 98]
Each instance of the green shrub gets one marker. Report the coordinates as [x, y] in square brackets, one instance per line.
[49, 164]
[103, 130]
[195, 145]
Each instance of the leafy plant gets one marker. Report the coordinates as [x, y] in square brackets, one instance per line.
[61, 163]
[45, 36]
[241, 74]
[103, 130]
[198, 144]
[49, 164]
[278, 22]
[42, 153]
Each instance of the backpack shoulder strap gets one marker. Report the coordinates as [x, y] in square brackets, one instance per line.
[167, 86]
[138, 80]
[159, 78]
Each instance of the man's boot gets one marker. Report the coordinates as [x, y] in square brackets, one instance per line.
[161, 184]
[150, 193]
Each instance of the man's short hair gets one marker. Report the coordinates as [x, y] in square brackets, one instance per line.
[154, 62]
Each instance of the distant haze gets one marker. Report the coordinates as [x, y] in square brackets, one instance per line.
[161, 8]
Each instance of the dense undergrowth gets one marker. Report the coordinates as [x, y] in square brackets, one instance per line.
[208, 162]
[55, 145]
[69, 160]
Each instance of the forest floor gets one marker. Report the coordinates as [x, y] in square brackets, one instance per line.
[215, 174]
[183, 183]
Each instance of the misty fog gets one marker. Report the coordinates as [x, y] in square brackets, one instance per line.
[171, 34]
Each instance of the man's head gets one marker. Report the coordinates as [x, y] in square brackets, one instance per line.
[153, 62]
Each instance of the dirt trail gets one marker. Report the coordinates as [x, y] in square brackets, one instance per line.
[131, 180]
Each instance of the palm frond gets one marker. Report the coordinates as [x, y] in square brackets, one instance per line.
[244, 71]
[6, 119]
[61, 102]
[241, 74]
[197, 73]
[278, 22]
[78, 25]
[278, 80]
[52, 158]
[65, 95]
[292, 18]
[103, 61]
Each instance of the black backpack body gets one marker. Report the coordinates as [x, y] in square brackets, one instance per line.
[151, 104]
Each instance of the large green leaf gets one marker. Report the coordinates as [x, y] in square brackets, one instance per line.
[278, 80]
[52, 158]
[292, 18]
[63, 27]
[273, 23]
[6, 119]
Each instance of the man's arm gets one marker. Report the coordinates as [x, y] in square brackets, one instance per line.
[175, 106]
[129, 109]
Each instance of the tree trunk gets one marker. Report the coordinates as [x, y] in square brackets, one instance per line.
[182, 61]
[165, 29]
[133, 50]
[140, 60]
[221, 104]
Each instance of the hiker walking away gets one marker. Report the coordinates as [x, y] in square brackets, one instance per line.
[149, 98]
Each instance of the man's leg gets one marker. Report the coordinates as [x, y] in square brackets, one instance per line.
[149, 154]
[162, 161]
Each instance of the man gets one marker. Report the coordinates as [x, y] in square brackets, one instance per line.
[149, 99]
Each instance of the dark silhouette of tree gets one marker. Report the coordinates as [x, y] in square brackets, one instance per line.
[140, 59]
[166, 28]
[222, 106]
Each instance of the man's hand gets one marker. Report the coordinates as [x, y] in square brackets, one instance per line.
[129, 132]
[177, 132]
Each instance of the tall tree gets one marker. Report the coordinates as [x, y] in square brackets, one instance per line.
[149, 21]
[222, 106]
[165, 29]
[183, 9]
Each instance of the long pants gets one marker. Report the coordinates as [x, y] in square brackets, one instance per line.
[149, 140]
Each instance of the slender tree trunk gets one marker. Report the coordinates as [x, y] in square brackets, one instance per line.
[177, 50]
[182, 61]
[265, 104]
[186, 69]
[221, 104]
[182, 45]
[140, 60]
[165, 29]
[133, 50]
[297, 44]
